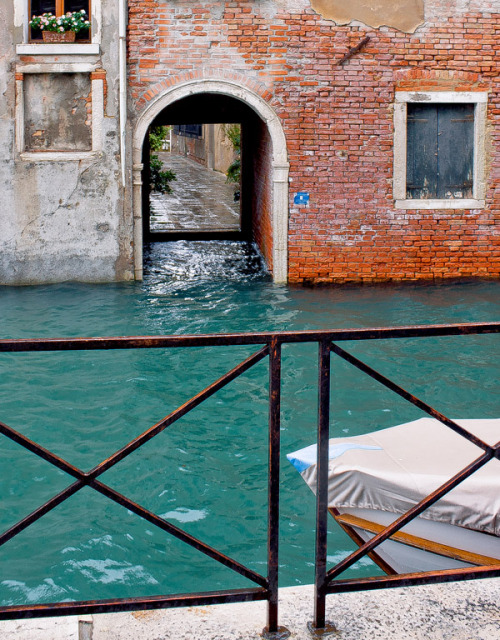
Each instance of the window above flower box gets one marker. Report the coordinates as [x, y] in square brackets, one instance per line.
[86, 40]
[59, 8]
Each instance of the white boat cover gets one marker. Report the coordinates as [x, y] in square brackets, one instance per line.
[394, 469]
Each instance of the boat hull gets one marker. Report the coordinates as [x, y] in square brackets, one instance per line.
[399, 557]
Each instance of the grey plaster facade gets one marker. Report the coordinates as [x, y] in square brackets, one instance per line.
[64, 212]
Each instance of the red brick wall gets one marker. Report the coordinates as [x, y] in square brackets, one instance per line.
[338, 122]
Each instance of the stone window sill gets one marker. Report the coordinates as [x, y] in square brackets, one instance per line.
[466, 203]
[57, 49]
[57, 156]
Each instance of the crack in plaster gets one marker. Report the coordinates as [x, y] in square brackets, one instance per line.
[65, 204]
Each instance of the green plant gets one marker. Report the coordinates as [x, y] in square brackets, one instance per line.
[233, 173]
[157, 136]
[160, 180]
[72, 21]
[233, 132]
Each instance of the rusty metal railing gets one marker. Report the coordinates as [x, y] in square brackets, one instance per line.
[267, 586]
[325, 580]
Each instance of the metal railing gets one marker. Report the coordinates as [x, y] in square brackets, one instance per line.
[267, 586]
[325, 582]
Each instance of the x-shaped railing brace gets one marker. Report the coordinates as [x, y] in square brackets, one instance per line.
[89, 479]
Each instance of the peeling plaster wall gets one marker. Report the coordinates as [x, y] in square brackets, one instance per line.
[405, 15]
[7, 96]
[61, 219]
[66, 226]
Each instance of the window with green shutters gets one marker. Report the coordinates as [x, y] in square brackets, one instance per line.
[440, 151]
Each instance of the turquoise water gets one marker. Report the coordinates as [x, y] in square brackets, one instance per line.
[207, 473]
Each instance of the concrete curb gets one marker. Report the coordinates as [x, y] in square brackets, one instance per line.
[456, 611]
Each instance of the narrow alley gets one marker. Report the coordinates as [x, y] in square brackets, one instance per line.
[201, 199]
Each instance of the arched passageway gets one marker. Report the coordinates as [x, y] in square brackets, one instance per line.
[264, 197]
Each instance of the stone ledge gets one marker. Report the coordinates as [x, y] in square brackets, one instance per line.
[456, 611]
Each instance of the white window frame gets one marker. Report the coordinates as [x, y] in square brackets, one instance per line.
[21, 19]
[97, 93]
[479, 99]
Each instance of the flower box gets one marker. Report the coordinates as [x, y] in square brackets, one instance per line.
[60, 28]
[55, 36]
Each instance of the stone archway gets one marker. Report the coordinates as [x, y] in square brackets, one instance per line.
[280, 166]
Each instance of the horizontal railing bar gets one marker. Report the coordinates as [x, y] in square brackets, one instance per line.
[132, 604]
[282, 337]
[412, 579]
[412, 513]
[359, 364]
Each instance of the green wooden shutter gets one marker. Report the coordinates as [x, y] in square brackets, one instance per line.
[440, 151]
[455, 150]
[421, 160]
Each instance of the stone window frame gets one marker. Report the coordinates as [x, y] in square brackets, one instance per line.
[22, 18]
[97, 79]
[479, 99]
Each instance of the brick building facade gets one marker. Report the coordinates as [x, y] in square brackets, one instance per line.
[370, 133]
[337, 91]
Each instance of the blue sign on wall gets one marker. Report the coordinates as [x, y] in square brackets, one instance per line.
[301, 198]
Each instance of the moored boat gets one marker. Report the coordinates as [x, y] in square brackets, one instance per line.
[375, 478]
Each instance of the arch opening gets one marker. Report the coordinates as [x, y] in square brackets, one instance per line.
[264, 167]
[192, 181]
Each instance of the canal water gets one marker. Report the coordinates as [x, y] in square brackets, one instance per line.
[206, 473]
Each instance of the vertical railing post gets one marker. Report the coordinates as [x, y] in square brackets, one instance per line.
[273, 486]
[273, 483]
[322, 484]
